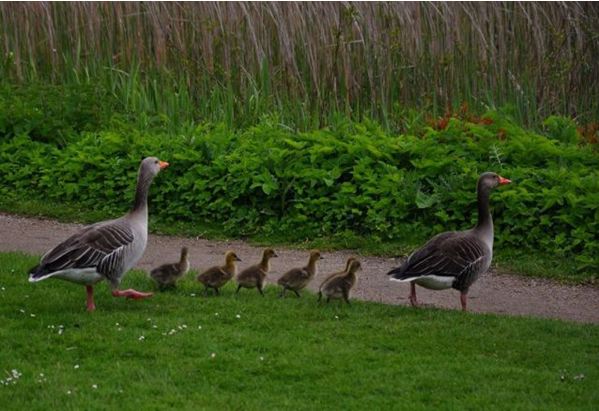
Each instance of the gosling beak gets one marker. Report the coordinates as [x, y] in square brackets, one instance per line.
[163, 164]
[503, 181]
[321, 258]
[237, 259]
[275, 255]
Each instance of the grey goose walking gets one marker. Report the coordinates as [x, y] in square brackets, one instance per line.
[105, 250]
[454, 259]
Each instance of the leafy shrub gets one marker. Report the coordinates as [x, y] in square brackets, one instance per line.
[51, 114]
[348, 177]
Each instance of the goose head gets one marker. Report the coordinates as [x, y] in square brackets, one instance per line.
[152, 166]
[489, 180]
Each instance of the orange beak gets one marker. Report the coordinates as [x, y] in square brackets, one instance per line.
[504, 181]
[163, 164]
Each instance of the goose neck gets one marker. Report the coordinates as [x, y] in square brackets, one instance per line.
[140, 204]
[485, 221]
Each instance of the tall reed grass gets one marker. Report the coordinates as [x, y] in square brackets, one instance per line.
[308, 61]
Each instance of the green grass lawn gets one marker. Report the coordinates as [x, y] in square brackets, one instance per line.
[184, 351]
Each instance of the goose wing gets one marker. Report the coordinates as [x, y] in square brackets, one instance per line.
[451, 254]
[101, 246]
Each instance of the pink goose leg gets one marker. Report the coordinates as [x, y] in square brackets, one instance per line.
[463, 300]
[413, 299]
[90, 298]
[131, 293]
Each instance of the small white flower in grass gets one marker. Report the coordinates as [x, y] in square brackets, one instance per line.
[199, 327]
[184, 326]
[171, 332]
[76, 366]
[95, 386]
[238, 316]
[261, 358]
[69, 392]
[32, 315]
[141, 338]
[336, 317]
[213, 355]
[154, 326]
[22, 311]
[3, 289]
[117, 324]
[179, 327]
[216, 314]
[192, 294]
[60, 330]
[149, 319]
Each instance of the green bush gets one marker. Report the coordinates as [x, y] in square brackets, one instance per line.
[350, 177]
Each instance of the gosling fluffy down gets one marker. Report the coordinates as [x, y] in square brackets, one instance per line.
[217, 276]
[340, 286]
[254, 276]
[297, 279]
[333, 275]
[167, 274]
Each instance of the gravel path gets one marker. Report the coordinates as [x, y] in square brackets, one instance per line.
[492, 293]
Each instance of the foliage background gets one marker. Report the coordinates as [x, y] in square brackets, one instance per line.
[373, 123]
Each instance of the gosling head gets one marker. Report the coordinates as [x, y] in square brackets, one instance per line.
[354, 266]
[231, 257]
[269, 253]
[184, 253]
[349, 261]
[315, 255]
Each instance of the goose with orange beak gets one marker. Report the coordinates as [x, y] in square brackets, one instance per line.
[105, 250]
[454, 259]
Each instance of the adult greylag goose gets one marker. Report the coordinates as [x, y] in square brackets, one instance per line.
[254, 276]
[167, 274]
[454, 259]
[341, 285]
[333, 275]
[105, 250]
[297, 279]
[216, 277]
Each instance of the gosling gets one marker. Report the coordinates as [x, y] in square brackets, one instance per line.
[297, 279]
[333, 275]
[167, 274]
[254, 276]
[340, 286]
[216, 277]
